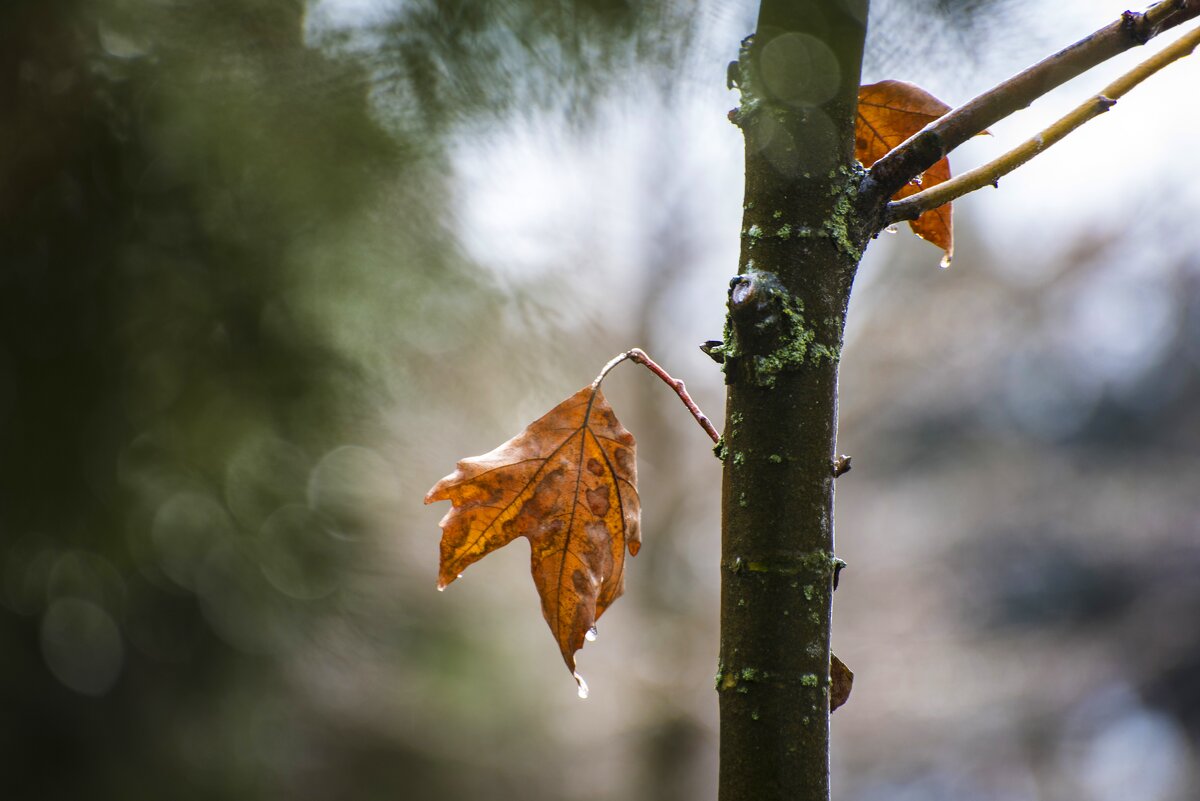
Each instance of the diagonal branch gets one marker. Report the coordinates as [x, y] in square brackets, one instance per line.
[638, 355]
[915, 205]
[934, 141]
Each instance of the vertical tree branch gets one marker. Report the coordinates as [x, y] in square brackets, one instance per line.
[799, 78]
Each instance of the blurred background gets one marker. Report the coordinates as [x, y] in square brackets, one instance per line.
[269, 267]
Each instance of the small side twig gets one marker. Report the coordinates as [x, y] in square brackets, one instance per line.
[638, 355]
[989, 174]
[838, 566]
[920, 151]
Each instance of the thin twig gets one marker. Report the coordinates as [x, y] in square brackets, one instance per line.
[915, 205]
[613, 362]
[920, 151]
[638, 355]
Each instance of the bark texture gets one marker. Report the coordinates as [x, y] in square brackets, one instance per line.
[799, 76]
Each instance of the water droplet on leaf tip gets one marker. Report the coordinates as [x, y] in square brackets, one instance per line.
[891, 229]
[945, 262]
[590, 634]
[441, 588]
[583, 688]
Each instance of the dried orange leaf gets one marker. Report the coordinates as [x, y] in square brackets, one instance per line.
[888, 113]
[840, 682]
[568, 483]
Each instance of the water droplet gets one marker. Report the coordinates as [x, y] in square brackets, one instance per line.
[945, 262]
[441, 588]
[583, 688]
[918, 180]
[459, 575]
[891, 229]
[590, 635]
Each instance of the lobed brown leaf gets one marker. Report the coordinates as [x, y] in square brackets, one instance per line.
[889, 112]
[567, 483]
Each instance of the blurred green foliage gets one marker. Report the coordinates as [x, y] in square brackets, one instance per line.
[176, 179]
[219, 272]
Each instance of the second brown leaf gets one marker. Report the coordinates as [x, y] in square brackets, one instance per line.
[888, 113]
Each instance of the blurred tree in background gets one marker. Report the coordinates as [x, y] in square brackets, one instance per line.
[219, 274]
[249, 314]
[170, 205]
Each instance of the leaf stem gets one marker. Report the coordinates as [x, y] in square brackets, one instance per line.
[638, 355]
[613, 362]
[989, 174]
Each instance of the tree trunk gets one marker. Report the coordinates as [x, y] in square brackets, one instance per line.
[799, 76]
